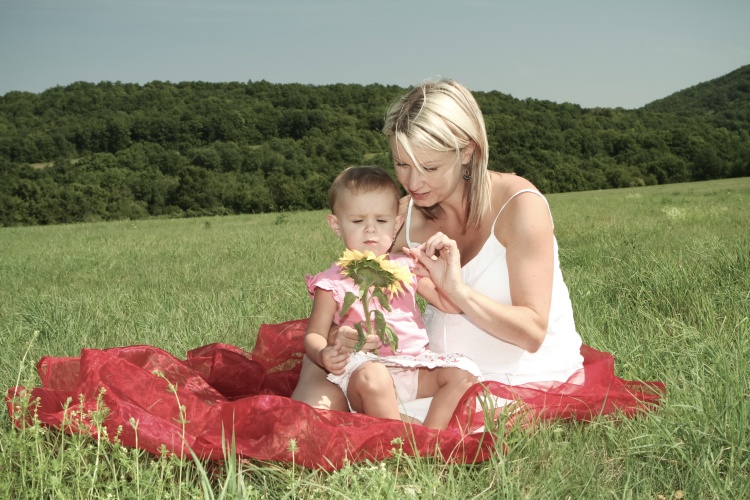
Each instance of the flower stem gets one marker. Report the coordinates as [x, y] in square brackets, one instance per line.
[366, 309]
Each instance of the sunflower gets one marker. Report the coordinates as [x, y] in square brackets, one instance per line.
[375, 275]
[366, 268]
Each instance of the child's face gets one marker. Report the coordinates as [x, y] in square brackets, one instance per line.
[366, 221]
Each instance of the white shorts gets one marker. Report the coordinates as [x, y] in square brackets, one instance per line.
[404, 370]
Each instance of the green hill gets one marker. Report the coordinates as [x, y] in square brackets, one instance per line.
[724, 100]
[108, 151]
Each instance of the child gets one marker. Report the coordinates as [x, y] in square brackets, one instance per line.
[364, 203]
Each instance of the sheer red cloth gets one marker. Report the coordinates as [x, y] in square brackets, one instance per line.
[221, 392]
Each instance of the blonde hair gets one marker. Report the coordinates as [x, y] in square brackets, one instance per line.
[443, 116]
[363, 179]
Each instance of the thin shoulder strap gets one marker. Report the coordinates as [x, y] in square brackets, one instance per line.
[409, 243]
[516, 194]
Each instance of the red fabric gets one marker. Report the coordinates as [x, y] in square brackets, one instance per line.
[227, 392]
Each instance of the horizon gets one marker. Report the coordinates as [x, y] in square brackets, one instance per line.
[142, 84]
[589, 53]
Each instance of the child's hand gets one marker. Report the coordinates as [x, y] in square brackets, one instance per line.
[346, 337]
[333, 359]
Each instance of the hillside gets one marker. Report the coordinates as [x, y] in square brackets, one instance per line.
[724, 100]
[194, 148]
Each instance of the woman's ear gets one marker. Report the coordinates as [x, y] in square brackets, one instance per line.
[333, 223]
[467, 152]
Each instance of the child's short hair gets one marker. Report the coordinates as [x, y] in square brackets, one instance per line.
[362, 179]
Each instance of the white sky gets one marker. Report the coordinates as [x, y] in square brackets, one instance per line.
[606, 53]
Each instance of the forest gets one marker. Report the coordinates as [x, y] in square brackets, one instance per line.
[108, 151]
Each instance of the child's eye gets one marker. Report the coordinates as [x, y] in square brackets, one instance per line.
[357, 221]
[382, 221]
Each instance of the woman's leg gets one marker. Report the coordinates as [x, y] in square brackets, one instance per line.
[371, 391]
[314, 389]
[446, 385]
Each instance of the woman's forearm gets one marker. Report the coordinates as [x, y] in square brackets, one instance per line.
[518, 325]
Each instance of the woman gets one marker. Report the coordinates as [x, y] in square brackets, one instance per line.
[485, 238]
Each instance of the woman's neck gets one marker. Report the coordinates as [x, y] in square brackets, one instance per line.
[452, 210]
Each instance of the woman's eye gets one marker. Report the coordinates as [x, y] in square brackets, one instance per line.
[430, 169]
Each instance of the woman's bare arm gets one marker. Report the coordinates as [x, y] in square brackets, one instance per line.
[526, 230]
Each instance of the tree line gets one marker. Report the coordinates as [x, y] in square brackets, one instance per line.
[106, 151]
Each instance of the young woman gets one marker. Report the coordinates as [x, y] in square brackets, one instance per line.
[484, 238]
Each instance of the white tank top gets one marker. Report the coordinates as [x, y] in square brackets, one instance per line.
[487, 273]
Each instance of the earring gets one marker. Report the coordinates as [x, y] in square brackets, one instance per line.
[467, 175]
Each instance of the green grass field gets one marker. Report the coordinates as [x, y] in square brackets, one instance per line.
[659, 276]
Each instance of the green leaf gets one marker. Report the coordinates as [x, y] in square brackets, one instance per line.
[361, 337]
[392, 338]
[380, 325]
[378, 292]
[349, 299]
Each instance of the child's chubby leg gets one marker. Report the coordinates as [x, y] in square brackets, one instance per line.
[315, 390]
[371, 391]
[446, 386]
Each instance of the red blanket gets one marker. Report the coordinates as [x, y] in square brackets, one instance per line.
[221, 392]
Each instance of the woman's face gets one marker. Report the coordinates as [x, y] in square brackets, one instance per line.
[438, 179]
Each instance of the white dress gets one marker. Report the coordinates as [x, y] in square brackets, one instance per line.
[487, 273]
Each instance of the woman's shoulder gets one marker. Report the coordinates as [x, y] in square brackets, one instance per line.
[505, 185]
[506, 199]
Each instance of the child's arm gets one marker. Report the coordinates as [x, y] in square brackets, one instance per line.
[427, 289]
[316, 343]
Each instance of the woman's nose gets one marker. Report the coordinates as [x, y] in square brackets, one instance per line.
[413, 180]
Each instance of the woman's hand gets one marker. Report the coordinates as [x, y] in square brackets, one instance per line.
[439, 259]
[344, 338]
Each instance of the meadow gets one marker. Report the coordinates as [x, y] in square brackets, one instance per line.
[659, 276]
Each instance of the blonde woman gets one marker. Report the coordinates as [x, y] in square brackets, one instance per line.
[484, 238]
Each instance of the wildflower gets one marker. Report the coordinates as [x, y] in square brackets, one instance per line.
[378, 271]
[375, 276]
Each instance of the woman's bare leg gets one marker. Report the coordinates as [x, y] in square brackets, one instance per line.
[314, 389]
[446, 386]
[371, 391]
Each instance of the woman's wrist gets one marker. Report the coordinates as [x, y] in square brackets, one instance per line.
[460, 296]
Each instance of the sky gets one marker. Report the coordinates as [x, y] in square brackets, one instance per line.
[595, 53]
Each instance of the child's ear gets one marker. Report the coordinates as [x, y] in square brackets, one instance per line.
[333, 223]
[399, 223]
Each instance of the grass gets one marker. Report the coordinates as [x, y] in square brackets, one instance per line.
[659, 276]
